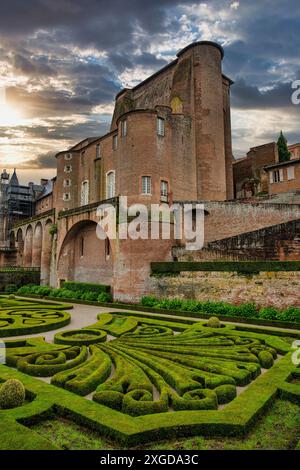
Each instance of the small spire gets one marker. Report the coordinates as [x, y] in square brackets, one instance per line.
[14, 181]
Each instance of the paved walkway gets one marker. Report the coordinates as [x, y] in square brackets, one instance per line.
[86, 315]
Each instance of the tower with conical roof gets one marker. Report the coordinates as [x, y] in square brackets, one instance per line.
[14, 181]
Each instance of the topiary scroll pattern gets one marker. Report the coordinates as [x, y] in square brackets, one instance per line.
[26, 317]
[142, 366]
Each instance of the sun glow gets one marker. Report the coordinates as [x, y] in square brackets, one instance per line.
[9, 116]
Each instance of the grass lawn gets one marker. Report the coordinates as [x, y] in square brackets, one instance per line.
[278, 429]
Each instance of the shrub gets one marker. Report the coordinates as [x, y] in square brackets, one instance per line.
[291, 314]
[214, 322]
[149, 301]
[11, 288]
[268, 313]
[12, 394]
[248, 310]
[90, 296]
[225, 393]
[104, 297]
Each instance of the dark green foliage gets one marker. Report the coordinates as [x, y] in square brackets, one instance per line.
[11, 288]
[12, 394]
[70, 291]
[243, 267]
[224, 309]
[284, 154]
[104, 297]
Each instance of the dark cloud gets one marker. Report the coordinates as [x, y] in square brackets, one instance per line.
[46, 160]
[48, 43]
[250, 97]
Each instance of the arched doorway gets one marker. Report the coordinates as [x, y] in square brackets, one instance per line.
[83, 256]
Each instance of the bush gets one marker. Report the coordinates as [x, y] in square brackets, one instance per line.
[11, 288]
[268, 313]
[247, 310]
[214, 322]
[225, 393]
[12, 394]
[149, 301]
[104, 297]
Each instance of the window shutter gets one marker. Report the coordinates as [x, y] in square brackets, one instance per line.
[271, 177]
[281, 174]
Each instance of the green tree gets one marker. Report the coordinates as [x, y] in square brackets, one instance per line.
[284, 154]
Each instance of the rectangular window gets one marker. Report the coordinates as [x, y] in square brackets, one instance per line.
[291, 173]
[277, 176]
[164, 191]
[110, 185]
[83, 157]
[98, 151]
[160, 126]
[146, 185]
[85, 193]
[124, 128]
[115, 142]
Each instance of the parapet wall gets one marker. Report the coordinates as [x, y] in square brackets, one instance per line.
[228, 219]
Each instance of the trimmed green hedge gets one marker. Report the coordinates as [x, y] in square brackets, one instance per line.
[27, 317]
[243, 267]
[243, 311]
[188, 371]
[64, 293]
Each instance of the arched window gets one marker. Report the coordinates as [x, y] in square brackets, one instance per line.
[110, 184]
[85, 193]
[82, 247]
[107, 248]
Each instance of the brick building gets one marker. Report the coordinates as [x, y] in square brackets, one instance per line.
[170, 140]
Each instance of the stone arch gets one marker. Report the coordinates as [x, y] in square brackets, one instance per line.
[46, 254]
[28, 244]
[83, 256]
[37, 245]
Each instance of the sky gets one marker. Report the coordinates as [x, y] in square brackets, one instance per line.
[63, 61]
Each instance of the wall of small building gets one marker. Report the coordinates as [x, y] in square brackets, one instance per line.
[286, 184]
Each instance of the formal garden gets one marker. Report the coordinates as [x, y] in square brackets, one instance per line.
[134, 379]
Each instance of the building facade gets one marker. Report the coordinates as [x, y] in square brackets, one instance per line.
[169, 141]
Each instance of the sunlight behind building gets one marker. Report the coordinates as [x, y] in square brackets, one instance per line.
[9, 116]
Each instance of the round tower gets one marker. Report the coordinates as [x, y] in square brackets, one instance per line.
[207, 109]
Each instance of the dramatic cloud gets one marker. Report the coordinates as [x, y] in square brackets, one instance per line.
[62, 62]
